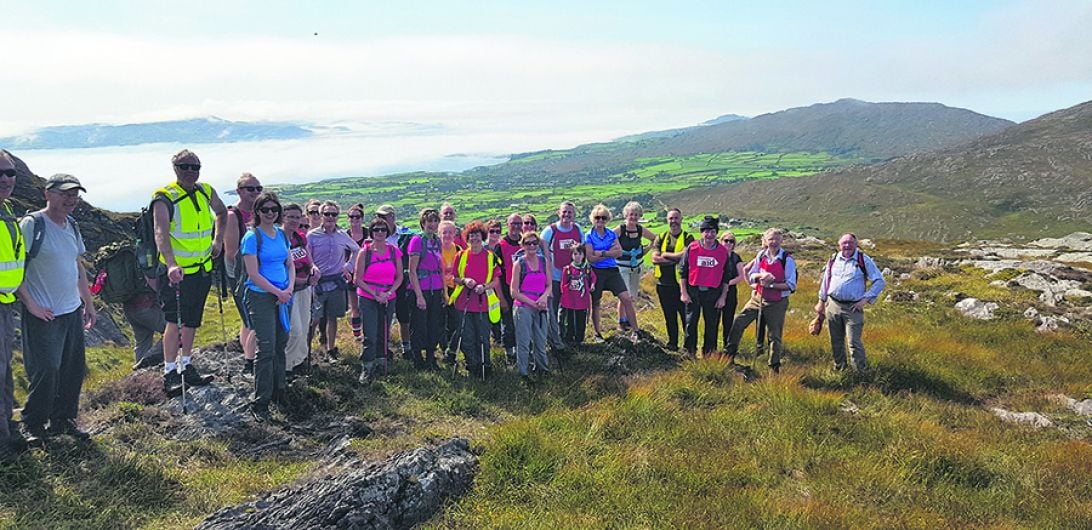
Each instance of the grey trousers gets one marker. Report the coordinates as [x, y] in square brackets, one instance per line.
[843, 321]
[146, 323]
[475, 343]
[7, 384]
[773, 314]
[531, 338]
[376, 319]
[264, 315]
[53, 353]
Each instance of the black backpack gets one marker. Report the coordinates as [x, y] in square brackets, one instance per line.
[119, 277]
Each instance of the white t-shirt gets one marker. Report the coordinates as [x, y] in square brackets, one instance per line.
[52, 278]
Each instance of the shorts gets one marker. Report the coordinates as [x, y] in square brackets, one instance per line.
[194, 291]
[631, 276]
[330, 304]
[608, 279]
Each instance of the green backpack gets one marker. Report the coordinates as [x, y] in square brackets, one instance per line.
[119, 277]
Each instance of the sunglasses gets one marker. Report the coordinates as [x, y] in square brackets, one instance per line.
[188, 167]
[8, 172]
[601, 218]
[252, 188]
[270, 209]
[305, 226]
[729, 241]
[356, 217]
[312, 212]
[330, 214]
[380, 229]
[530, 243]
[494, 231]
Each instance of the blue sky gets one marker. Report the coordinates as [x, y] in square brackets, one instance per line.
[561, 65]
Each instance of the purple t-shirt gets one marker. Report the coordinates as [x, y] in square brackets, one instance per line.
[430, 266]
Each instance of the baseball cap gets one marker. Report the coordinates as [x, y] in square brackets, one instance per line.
[386, 209]
[64, 182]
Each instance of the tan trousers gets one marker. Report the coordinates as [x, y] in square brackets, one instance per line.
[842, 321]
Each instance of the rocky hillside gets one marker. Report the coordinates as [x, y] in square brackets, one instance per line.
[99, 227]
[1031, 179]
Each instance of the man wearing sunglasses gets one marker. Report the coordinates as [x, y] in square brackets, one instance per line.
[238, 218]
[334, 253]
[185, 212]
[12, 256]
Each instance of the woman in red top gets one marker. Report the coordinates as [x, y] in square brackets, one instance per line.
[377, 275]
[476, 271]
[359, 234]
[298, 352]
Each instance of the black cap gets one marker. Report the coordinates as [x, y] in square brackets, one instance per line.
[709, 223]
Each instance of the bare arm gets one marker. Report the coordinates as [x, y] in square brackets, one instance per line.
[231, 238]
[89, 315]
[221, 219]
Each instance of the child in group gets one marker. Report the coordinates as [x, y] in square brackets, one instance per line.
[577, 284]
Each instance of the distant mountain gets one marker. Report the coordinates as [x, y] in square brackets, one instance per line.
[1030, 179]
[668, 133]
[847, 127]
[195, 131]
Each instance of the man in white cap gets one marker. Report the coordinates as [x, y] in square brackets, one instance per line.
[57, 308]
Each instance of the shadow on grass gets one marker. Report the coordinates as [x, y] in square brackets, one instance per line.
[891, 379]
[85, 486]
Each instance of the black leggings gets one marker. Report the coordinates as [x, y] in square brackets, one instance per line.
[674, 312]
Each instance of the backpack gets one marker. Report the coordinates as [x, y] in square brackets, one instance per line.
[39, 233]
[403, 245]
[144, 228]
[119, 277]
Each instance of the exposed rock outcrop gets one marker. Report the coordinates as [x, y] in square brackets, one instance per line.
[400, 492]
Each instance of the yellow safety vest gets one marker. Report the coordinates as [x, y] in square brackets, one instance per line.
[679, 245]
[491, 297]
[191, 225]
[13, 255]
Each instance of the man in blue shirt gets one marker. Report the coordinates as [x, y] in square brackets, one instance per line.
[850, 281]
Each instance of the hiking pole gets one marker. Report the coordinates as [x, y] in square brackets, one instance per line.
[459, 345]
[386, 337]
[483, 345]
[178, 319]
[759, 335]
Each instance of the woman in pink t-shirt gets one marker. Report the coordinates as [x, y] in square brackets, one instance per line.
[378, 273]
[476, 271]
[531, 292]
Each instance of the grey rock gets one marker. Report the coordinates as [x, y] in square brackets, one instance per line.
[400, 492]
[975, 308]
[905, 276]
[1031, 313]
[1033, 419]
[1073, 257]
[1050, 324]
[1078, 241]
[902, 296]
[866, 244]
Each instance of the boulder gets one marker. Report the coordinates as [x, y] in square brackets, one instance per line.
[400, 492]
[1031, 313]
[1050, 324]
[975, 308]
[902, 296]
[1078, 241]
[866, 244]
[1075, 257]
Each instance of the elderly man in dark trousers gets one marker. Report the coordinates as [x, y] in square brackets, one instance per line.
[850, 281]
[57, 308]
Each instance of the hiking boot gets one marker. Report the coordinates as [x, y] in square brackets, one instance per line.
[12, 445]
[599, 339]
[775, 368]
[526, 381]
[365, 377]
[303, 369]
[172, 383]
[155, 359]
[69, 427]
[248, 367]
[36, 435]
[194, 378]
[407, 351]
[332, 355]
[261, 413]
[510, 355]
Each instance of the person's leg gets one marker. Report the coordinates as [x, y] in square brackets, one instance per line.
[437, 315]
[631, 311]
[580, 320]
[739, 325]
[836, 325]
[693, 313]
[774, 315]
[728, 314]
[523, 319]
[262, 314]
[669, 304]
[539, 326]
[295, 350]
[143, 335]
[72, 369]
[554, 324]
[855, 328]
[567, 325]
[42, 346]
[420, 330]
[711, 317]
[354, 315]
[7, 382]
[475, 332]
[508, 324]
[280, 341]
[372, 322]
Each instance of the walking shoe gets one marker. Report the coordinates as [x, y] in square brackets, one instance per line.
[365, 376]
[172, 383]
[599, 339]
[155, 359]
[194, 378]
[36, 435]
[332, 355]
[510, 355]
[12, 445]
[407, 350]
[69, 427]
[261, 414]
[248, 367]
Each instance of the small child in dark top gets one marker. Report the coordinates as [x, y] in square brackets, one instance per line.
[577, 284]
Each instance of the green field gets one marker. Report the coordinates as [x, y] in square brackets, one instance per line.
[496, 191]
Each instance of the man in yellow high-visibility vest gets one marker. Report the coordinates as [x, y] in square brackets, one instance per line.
[184, 212]
[12, 260]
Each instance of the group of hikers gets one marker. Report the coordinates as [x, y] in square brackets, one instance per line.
[294, 272]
